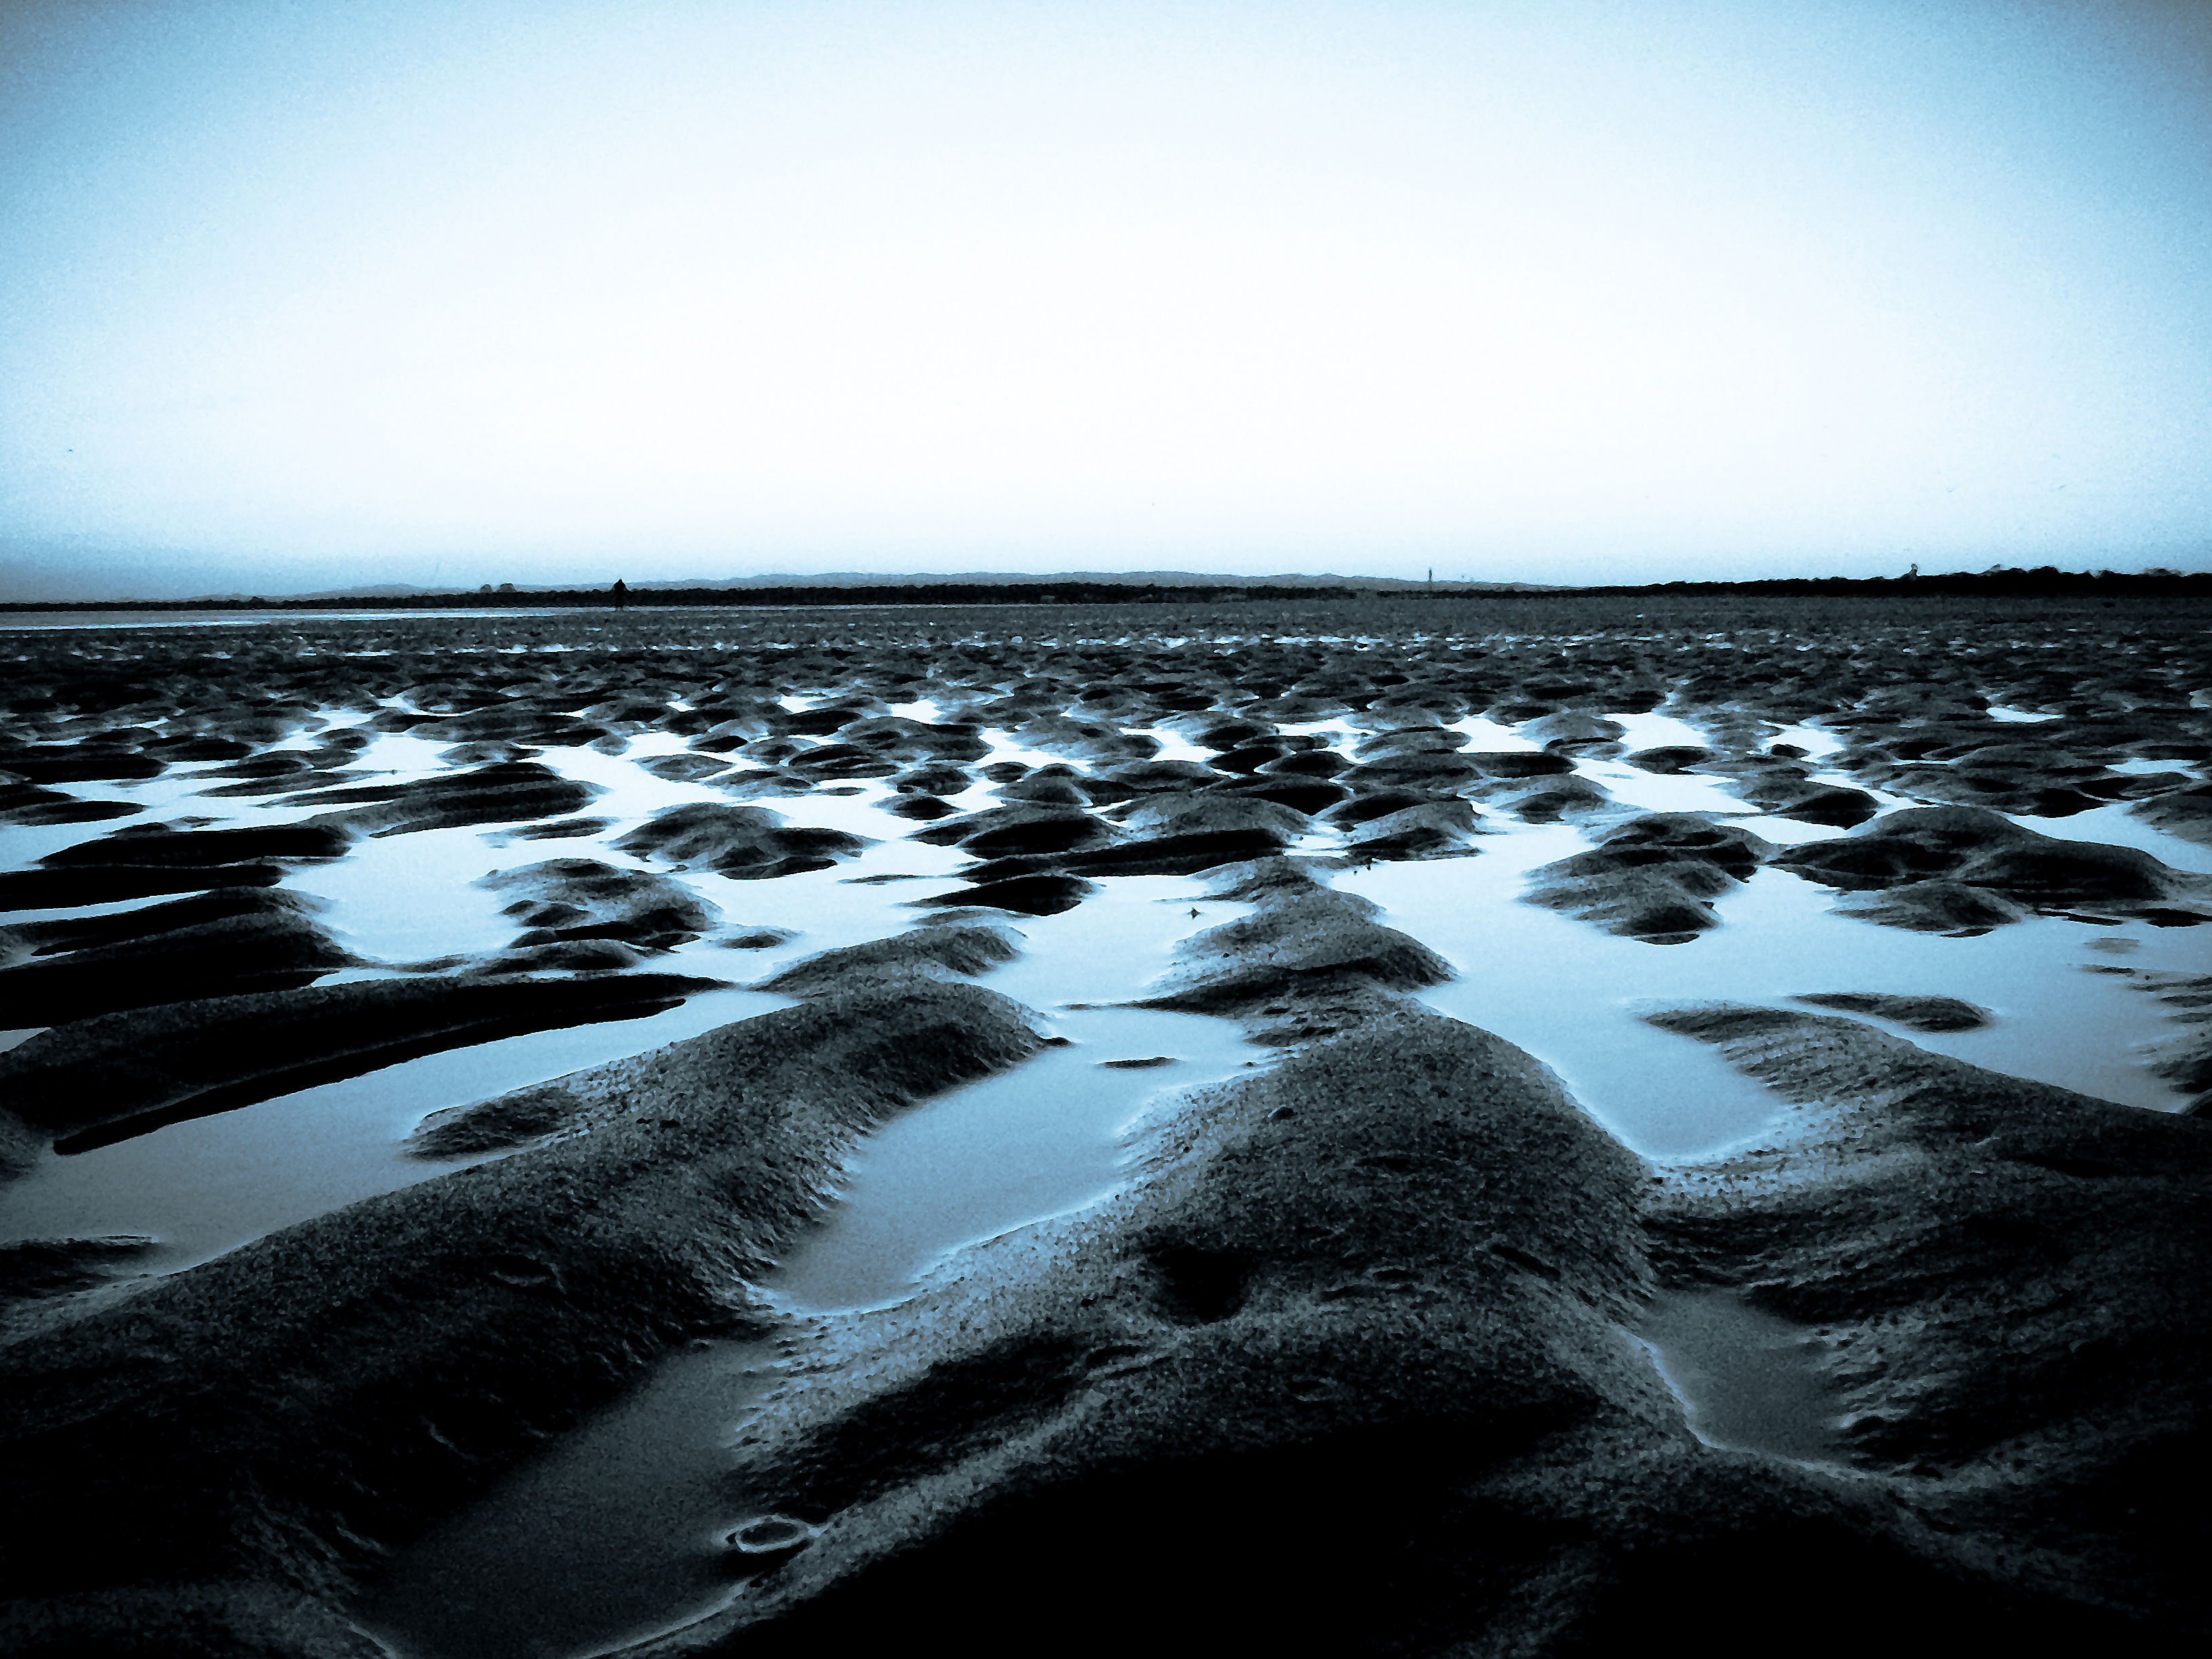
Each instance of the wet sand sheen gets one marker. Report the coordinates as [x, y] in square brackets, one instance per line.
[616, 1533]
[1748, 1381]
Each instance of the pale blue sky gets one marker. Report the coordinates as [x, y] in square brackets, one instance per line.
[310, 294]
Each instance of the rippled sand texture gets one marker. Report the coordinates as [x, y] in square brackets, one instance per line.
[1415, 1127]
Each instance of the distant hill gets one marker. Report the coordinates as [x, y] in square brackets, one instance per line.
[949, 578]
[375, 591]
[1172, 587]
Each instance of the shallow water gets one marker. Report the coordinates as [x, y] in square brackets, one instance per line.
[1654, 730]
[2113, 826]
[1571, 996]
[211, 1183]
[1557, 986]
[1030, 1144]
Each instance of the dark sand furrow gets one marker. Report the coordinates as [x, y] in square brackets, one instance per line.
[93, 1081]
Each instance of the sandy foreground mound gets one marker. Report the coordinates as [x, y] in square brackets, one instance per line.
[432, 1038]
[206, 1464]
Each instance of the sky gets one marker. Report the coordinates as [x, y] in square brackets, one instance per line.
[298, 294]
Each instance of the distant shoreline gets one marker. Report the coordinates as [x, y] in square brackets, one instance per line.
[2005, 583]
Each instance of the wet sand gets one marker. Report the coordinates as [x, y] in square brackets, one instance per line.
[719, 1132]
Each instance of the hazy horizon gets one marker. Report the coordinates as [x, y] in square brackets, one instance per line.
[1556, 291]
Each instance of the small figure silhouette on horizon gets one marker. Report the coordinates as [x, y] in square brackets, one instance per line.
[619, 592]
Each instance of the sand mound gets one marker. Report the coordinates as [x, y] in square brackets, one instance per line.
[2011, 1280]
[168, 1493]
[584, 899]
[1653, 878]
[1300, 948]
[1973, 846]
[97, 1080]
[748, 843]
[1923, 1013]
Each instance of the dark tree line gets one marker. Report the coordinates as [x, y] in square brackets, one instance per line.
[2000, 582]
